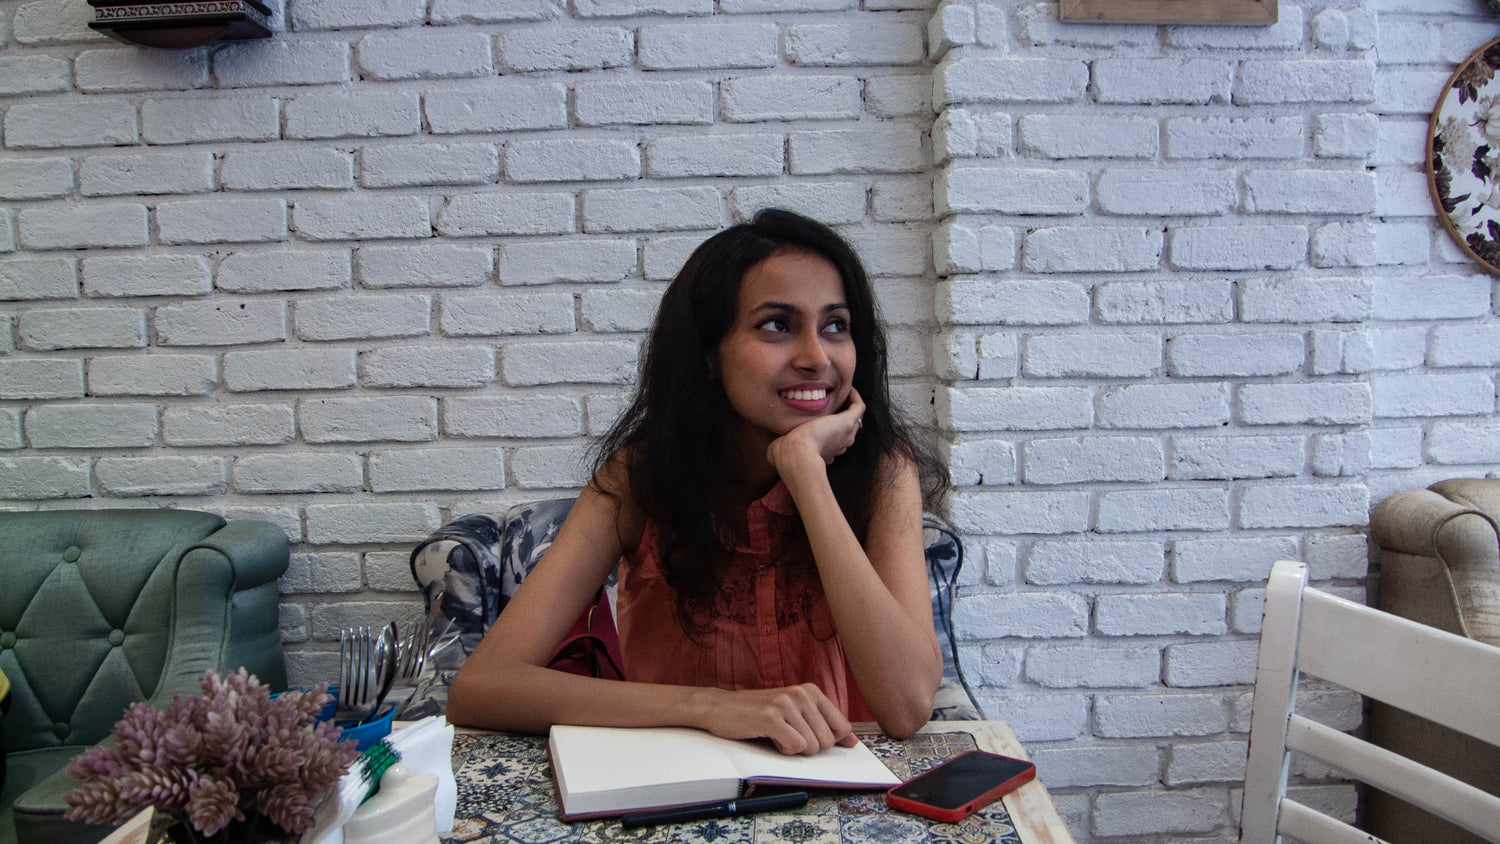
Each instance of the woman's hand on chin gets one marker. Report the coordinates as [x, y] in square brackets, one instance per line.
[825, 437]
[797, 719]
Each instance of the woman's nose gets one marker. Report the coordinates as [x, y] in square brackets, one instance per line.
[810, 353]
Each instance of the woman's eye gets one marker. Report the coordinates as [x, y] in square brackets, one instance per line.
[775, 324]
[837, 326]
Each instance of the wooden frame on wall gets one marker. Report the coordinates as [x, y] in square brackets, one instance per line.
[1462, 161]
[1242, 12]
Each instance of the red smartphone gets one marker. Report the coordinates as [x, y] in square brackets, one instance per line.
[961, 786]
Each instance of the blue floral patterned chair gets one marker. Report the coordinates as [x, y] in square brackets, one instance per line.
[474, 564]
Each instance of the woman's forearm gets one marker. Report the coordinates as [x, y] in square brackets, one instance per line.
[890, 645]
[798, 719]
[528, 698]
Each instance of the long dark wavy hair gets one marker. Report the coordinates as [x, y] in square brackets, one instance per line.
[672, 437]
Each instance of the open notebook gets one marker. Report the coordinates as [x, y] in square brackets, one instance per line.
[602, 771]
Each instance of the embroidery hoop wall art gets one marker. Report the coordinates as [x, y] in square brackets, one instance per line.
[1463, 156]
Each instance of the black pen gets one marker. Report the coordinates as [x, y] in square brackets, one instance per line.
[722, 809]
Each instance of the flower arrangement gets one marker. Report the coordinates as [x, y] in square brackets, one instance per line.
[232, 754]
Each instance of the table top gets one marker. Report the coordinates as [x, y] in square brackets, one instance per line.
[505, 793]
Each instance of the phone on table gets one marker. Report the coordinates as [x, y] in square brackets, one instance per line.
[961, 786]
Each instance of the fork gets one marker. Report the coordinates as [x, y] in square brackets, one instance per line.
[361, 655]
[411, 653]
[432, 634]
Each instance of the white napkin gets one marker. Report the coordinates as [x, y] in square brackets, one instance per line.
[338, 806]
[425, 747]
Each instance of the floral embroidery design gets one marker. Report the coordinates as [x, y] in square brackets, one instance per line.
[1464, 156]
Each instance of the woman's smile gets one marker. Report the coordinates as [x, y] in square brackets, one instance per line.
[806, 399]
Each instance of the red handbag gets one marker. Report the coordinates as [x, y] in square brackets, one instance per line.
[591, 647]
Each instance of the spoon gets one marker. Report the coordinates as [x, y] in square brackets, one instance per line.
[387, 668]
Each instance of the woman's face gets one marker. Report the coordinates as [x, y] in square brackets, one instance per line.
[788, 357]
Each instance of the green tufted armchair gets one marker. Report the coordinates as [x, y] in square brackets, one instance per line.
[99, 608]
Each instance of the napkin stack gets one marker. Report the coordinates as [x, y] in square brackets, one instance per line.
[424, 747]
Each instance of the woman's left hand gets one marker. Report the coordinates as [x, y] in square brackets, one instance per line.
[825, 437]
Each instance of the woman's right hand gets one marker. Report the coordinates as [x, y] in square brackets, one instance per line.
[797, 719]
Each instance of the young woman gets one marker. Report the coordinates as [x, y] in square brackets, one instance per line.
[764, 503]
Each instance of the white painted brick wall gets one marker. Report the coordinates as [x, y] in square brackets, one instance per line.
[392, 315]
[229, 424]
[91, 426]
[1082, 459]
[437, 469]
[563, 48]
[506, 313]
[262, 271]
[1133, 715]
[289, 369]
[299, 168]
[81, 328]
[423, 266]
[1065, 562]
[506, 106]
[402, 418]
[221, 221]
[1173, 298]
[400, 165]
[428, 366]
[1226, 458]
[1072, 667]
[1046, 136]
[140, 476]
[1246, 560]
[298, 473]
[152, 375]
[1132, 510]
[1234, 137]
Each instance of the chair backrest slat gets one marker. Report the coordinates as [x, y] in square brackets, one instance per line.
[1463, 804]
[1305, 824]
[1400, 662]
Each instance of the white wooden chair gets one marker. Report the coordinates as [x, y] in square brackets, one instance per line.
[1445, 678]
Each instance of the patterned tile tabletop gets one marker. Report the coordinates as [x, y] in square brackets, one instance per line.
[505, 793]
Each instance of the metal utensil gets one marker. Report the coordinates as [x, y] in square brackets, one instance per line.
[356, 660]
[425, 640]
[441, 630]
[407, 657]
[386, 656]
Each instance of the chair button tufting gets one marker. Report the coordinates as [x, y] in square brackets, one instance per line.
[7, 639]
[116, 637]
[71, 554]
[61, 730]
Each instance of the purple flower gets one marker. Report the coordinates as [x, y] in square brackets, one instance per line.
[215, 758]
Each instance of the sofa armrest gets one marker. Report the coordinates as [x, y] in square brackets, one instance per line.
[238, 565]
[258, 551]
[1443, 523]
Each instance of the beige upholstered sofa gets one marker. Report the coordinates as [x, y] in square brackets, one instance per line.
[1439, 563]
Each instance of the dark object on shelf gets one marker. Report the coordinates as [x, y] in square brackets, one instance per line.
[1237, 12]
[180, 25]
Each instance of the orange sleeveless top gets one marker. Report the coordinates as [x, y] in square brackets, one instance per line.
[770, 625]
